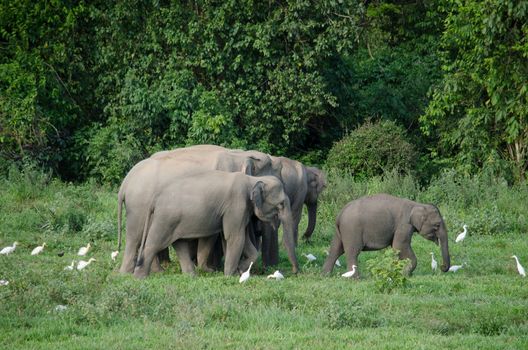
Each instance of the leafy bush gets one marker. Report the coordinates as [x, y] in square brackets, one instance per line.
[373, 149]
[388, 271]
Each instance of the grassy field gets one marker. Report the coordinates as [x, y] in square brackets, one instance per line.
[482, 306]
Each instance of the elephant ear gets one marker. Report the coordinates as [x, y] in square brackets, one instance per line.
[316, 179]
[418, 217]
[257, 194]
[248, 167]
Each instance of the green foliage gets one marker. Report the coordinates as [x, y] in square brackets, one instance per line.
[373, 149]
[388, 271]
[478, 112]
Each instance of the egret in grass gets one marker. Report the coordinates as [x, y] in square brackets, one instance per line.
[350, 273]
[434, 263]
[276, 275]
[84, 250]
[38, 249]
[9, 249]
[520, 268]
[60, 308]
[4, 282]
[310, 257]
[455, 268]
[245, 276]
[82, 264]
[114, 255]
[462, 235]
[70, 267]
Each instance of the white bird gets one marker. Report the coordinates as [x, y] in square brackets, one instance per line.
[4, 282]
[434, 263]
[519, 266]
[70, 267]
[350, 273]
[461, 235]
[310, 257]
[84, 250]
[245, 276]
[60, 308]
[82, 264]
[114, 255]
[9, 249]
[455, 268]
[277, 275]
[38, 249]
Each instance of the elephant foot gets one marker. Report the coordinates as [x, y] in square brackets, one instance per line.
[140, 274]
[207, 269]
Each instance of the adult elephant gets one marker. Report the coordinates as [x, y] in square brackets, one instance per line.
[151, 175]
[302, 185]
[204, 205]
[379, 221]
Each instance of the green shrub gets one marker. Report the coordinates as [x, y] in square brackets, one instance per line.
[388, 271]
[373, 149]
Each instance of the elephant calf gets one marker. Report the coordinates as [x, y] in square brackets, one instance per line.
[202, 206]
[379, 221]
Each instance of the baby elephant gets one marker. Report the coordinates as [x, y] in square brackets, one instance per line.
[379, 221]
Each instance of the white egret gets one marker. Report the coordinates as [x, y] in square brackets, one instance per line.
[434, 263]
[4, 282]
[38, 249]
[82, 264]
[276, 275]
[461, 235]
[60, 308]
[350, 273]
[310, 257]
[9, 249]
[70, 267]
[519, 266]
[245, 276]
[114, 255]
[84, 250]
[455, 268]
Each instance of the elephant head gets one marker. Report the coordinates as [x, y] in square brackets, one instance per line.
[316, 184]
[271, 204]
[428, 221]
[255, 163]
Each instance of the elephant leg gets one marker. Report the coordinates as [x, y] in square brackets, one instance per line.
[270, 246]
[156, 264]
[183, 251]
[143, 270]
[402, 242]
[157, 239]
[206, 246]
[250, 253]
[408, 253]
[336, 250]
[134, 227]
[214, 260]
[234, 247]
[352, 259]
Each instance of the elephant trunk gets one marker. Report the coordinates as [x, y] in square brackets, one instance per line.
[442, 238]
[286, 218]
[312, 219]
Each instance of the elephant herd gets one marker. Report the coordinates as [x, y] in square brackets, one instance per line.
[208, 201]
[212, 203]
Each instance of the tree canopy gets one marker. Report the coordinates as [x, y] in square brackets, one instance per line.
[88, 88]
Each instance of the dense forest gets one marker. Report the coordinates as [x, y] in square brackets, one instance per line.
[88, 88]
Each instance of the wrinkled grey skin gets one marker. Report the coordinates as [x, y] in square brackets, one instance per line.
[302, 186]
[156, 173]
[376, 222]
[202, 206]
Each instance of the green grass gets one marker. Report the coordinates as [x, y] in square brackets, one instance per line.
[484, 305]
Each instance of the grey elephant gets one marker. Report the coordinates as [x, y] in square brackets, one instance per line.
[302, 185]
[157, 172]
[379, 221]
[202, 206]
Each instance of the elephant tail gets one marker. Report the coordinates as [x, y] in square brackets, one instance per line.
[144, 236]
[120, 200]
